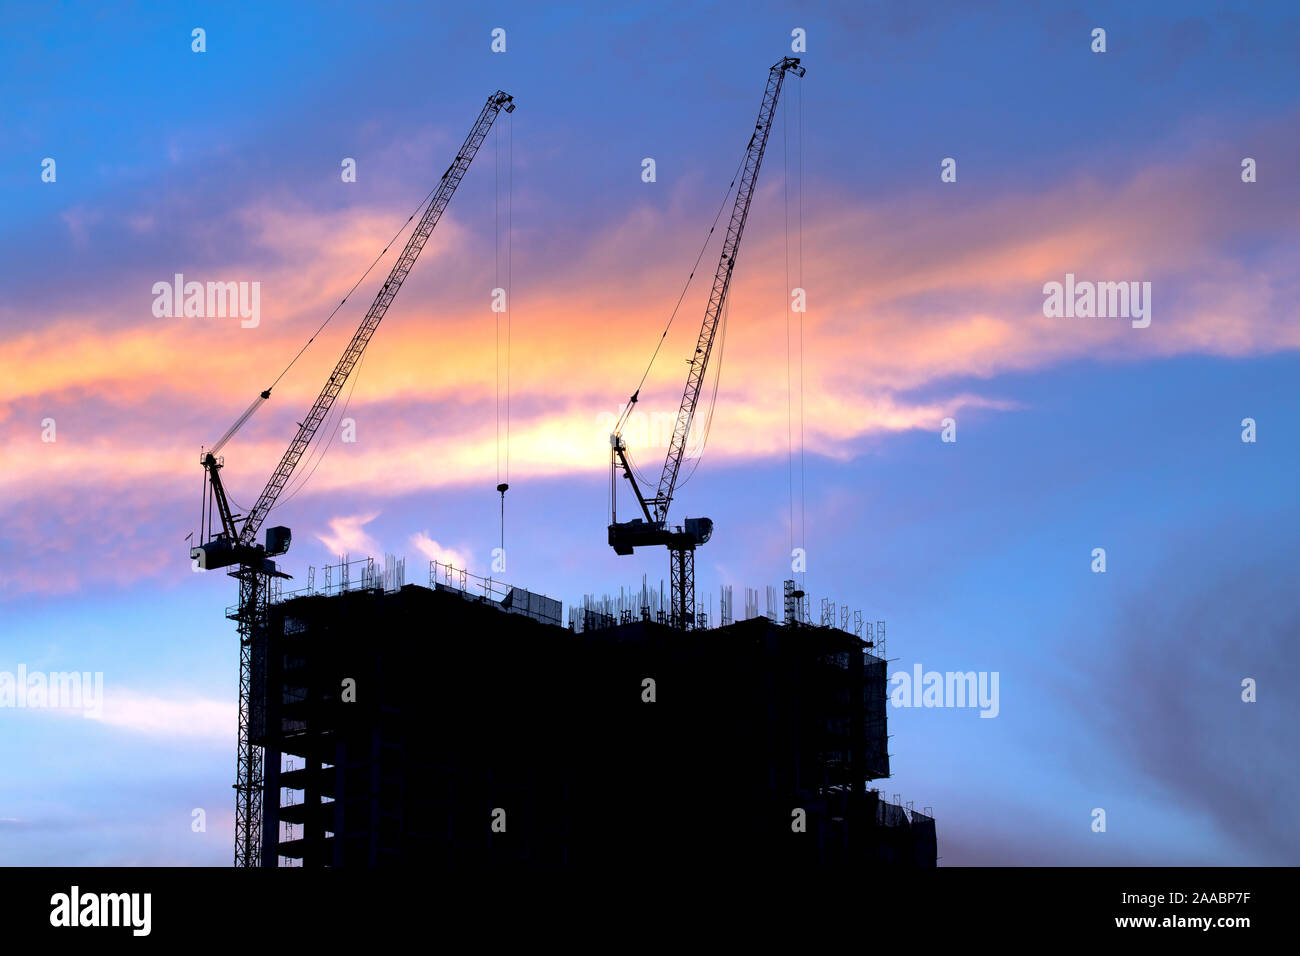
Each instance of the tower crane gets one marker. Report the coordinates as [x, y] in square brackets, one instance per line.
[653, 527]
[233, 545]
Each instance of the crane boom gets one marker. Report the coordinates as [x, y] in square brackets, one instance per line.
[383, 299]
[721, 284]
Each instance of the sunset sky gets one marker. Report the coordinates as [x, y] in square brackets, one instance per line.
[925, 302]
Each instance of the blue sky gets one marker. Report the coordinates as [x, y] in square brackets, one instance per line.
[1119, 691]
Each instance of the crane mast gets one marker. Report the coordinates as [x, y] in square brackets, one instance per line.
[624, 537]
[233, 544]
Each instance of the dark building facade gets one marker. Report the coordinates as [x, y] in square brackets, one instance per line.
[429, 727]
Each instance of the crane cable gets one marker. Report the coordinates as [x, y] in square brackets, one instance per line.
[333, 430]
[698, 455]
[618, 428]
[389, 245]
[303, 476]
[785, 209]
[789, 292]
[504, 485]
[335, 413]
[266, 394]
[804, 526]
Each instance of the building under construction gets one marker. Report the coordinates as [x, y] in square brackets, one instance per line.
[463, 725]
[394, 724]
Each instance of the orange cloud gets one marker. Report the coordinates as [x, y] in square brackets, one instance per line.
[914, 295]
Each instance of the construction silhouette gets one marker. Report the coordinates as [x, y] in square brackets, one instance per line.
[464, 722]
[652, 528]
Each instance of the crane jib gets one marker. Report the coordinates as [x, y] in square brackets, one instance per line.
[721, 284]
[451, 179]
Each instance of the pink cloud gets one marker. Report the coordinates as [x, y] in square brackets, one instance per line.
[347, 535]
[910, 296]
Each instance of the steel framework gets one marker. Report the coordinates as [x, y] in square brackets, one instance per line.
[721, 284]
[253, 568]
[681, 542]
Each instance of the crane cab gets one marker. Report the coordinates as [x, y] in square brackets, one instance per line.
[624, 536]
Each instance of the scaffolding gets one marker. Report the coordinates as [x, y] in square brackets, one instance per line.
[349, 574]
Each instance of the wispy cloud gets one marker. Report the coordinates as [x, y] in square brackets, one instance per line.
[176, 717]
[346, 535]
[916, 306]
[436, 552]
